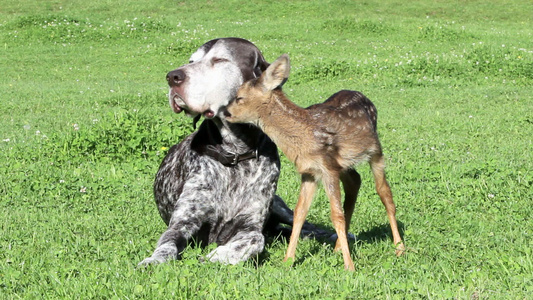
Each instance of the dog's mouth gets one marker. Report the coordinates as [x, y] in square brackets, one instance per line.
[174, 104]
[178, 105]
[209, 114]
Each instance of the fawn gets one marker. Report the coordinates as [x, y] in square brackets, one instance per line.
[324, 141]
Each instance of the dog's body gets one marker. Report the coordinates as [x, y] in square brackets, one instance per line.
[218, 185]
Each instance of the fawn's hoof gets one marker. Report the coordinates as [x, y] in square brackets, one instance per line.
[400, 249]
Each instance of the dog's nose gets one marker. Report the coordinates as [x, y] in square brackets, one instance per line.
[175, 77]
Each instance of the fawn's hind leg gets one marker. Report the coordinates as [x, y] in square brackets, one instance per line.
[351, 182]
[333, 190]
[307, 191]
[382, 187]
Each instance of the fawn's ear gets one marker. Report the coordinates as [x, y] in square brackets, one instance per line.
[277, 73]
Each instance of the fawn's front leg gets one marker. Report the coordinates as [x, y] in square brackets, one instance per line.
[307, 191]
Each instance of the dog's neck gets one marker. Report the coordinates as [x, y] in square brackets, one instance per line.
[235, 138]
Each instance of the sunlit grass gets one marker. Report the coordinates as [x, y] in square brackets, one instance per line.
[84, 124]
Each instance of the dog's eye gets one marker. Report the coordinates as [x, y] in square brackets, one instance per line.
[215, 60]
[238, 100]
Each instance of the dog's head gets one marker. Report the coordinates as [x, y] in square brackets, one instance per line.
[209, 82]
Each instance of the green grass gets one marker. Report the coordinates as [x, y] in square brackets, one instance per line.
[84, 124]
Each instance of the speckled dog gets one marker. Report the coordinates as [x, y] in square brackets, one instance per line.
[218, 185]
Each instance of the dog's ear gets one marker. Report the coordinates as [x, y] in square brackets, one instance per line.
[277, 73]
[260, 65]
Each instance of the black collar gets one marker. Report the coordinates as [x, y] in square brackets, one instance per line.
[228, 158]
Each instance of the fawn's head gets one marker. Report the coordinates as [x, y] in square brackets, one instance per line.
[254, 95]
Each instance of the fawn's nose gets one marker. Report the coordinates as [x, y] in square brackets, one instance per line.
[175, 77]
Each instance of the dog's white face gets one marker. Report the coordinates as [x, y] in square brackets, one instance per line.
[214, 74]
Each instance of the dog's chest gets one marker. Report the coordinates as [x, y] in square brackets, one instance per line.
[200, 183]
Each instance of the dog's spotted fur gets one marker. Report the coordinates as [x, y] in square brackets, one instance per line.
[199, 197]
[228, 205]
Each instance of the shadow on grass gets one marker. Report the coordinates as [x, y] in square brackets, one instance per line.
[379, 233]
[327, 236]
[323, 235]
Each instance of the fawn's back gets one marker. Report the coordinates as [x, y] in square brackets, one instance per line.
[345, 127]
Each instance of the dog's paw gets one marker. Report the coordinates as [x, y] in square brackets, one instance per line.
[224, 255]
[150, 261]
[162, 253]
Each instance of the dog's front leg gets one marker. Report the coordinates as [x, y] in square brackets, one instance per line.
[183, 225]
[169, 246]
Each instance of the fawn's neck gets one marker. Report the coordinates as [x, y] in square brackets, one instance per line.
[287, 124]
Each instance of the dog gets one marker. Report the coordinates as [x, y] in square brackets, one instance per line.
[218, 184]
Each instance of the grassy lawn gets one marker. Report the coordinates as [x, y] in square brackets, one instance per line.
[85, 122]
